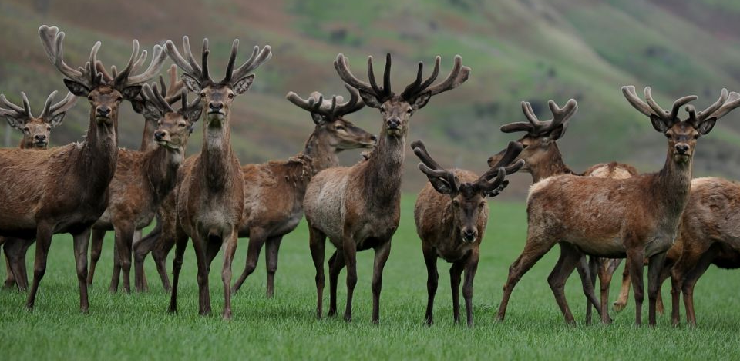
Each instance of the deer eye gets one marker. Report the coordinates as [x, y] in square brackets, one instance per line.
[231, 95]
[48, 128]
[696, 136]
[26, 130]
[410, 110]
[482, 204]
[119, 99]
[455, 203]
[341, 128]
[181, 125]
[202, 94]
[667, 135]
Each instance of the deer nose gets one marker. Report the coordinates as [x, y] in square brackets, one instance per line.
[470, 234]
[160, 134]
[103, 111]
[682, 148]
[215, 106]
[40, 137]
[394, 123]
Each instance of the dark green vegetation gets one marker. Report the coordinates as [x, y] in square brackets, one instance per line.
[531, 50]
[137, 326]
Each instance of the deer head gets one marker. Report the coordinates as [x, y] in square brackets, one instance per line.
[216, 97]
[104, 90]
[328, 116]
[174, 126]
[539, 140]
[397, 109]
[469, 199]
[682, 134]
[36, 130]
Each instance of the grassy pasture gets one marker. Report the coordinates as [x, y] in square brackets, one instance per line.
[137, 326]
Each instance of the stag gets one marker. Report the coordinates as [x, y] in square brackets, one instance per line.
[358, 207]
[36, 134]
[73, 192]
[210, 198]
[144, 178]
[451, 215]
[636, 217]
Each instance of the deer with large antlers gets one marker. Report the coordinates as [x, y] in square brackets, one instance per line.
[542, 160]
[636, 217]
[358, 207]
[451, 214]
[36, 134]
[210, 198]
[74, 190]
[144, 178]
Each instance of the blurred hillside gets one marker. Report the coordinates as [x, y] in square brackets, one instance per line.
[531, 50]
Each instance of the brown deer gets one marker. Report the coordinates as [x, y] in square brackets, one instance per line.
[451, 215]
[144, 178]
[36, 134]
[210, 198]
[543, 159]
[358, 207]
[636, 217]
[73, 192]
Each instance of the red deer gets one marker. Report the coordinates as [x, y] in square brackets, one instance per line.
[73, 192]
[144, 178]
[543, 159]
[358, 207]
[210, 197]
[36, 134]
[635, 217]
[451, 215]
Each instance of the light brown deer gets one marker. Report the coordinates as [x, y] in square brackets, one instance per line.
[36, 134]
[451, 213]
[358, 207]
[144, 178]
[543, 159]
[210, 198]
[73, 192]
[636, 217]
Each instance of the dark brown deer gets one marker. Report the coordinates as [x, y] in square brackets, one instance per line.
[36, 134]
[358, 207]
[451, 213]
[73, 192]
[144, 178]
[636, 217]
[210, 198]
[543, 159]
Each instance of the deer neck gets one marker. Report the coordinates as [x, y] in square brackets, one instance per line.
[318, 147]
[385, 169]
[99, 153]
[672, 186]
[216, 155]
[147, 138]
[161, 165]
[552, 164]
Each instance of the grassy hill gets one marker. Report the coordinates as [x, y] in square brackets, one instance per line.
[531, 50]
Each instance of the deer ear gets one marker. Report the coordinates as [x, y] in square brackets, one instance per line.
[138, 105]
[422, 100]
[131, 92]
[191, 83]
[193, 114]
[706, 126]
[558, 132]
[15, 122]
[658, 124]
[149, 111]
[76, 88]
[318, 118]
[243, 84]
[56, 119]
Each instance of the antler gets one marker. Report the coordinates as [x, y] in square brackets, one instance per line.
[720, 108]
[330, 109]
[125, 79]
[381, 94]
[155, 98]
[62, 106]
[51, 39]
[255, 60]
[538, 127]
[458, 75]
[493, 181]
[443, 180]
[650, 108]
[14, 111]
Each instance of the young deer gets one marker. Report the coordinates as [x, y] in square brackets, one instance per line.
[210, 198]
[358, 207]
[36, 132]
[73, 192]
[273, 192]
[144, 178]
[543, 159]
[637, 217]
[451, 215]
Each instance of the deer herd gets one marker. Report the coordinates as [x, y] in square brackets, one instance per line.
[676, 225]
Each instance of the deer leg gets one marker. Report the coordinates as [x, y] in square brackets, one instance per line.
[605, 272]
[271, 259]
[204, 297]
[533, 251]
[471, 266]
[181, 242]
[162, 248]
[125, 241]
[336, 263]
[15, 255]
[624, 292]
[316, 243]
[689, 258]
[43, 242]
[81, 241]
[655, 267]
[569, 258]
[635, 260]
[455, 276]
[115, 277]
[689, 282]
[381, 256]
[350, 258]
[430, 260]
[9, 276]
[257, 238]
[588, 279]
[140, 282]
[664, 274]
[226, 273]
[96, 248]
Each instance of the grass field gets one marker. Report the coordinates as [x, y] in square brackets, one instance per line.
[137, 326]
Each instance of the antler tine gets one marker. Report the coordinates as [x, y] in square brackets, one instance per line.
[561, 115]
[457, 76]
[531, 116]
[340, 64]
[155, 66]
[657, 110]
[668, 118]
[631, 95]
[254, 62]
[26, 104]
[430, 167]
[204, 60]
[172, 93]
[387, 92]
[14, 110]
[47, 104]
[189, 66]
[232, 59]
[732, 102]
[703, 115]
[312, 105]
[411, 88]
[152, 95]
[417, 86]
[371, 77]
[421, 151]
[120, 78]
[52, 40]
[62, 106]
[354, 103]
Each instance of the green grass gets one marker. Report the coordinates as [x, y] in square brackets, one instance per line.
[137, 326]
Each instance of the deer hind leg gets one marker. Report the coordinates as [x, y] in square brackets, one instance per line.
[124, 244]
[624, 292]
[655, 267]
[43, 242]
[162, 247]
[9, 277]
[689, 282]
[471, 266]
[140, 282]
[534, 249]
[430, 260]
[350, 258]
[569, 258]
[81, 241]
[664, 274]
[226, 273]
[317, 242]
[690, 256]
[96, 248]
[636, 262]
[15, 256]
[587, 271]
[181, 240]
[381, 256]
[271, 259]
[257, 238]
[336, 263]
